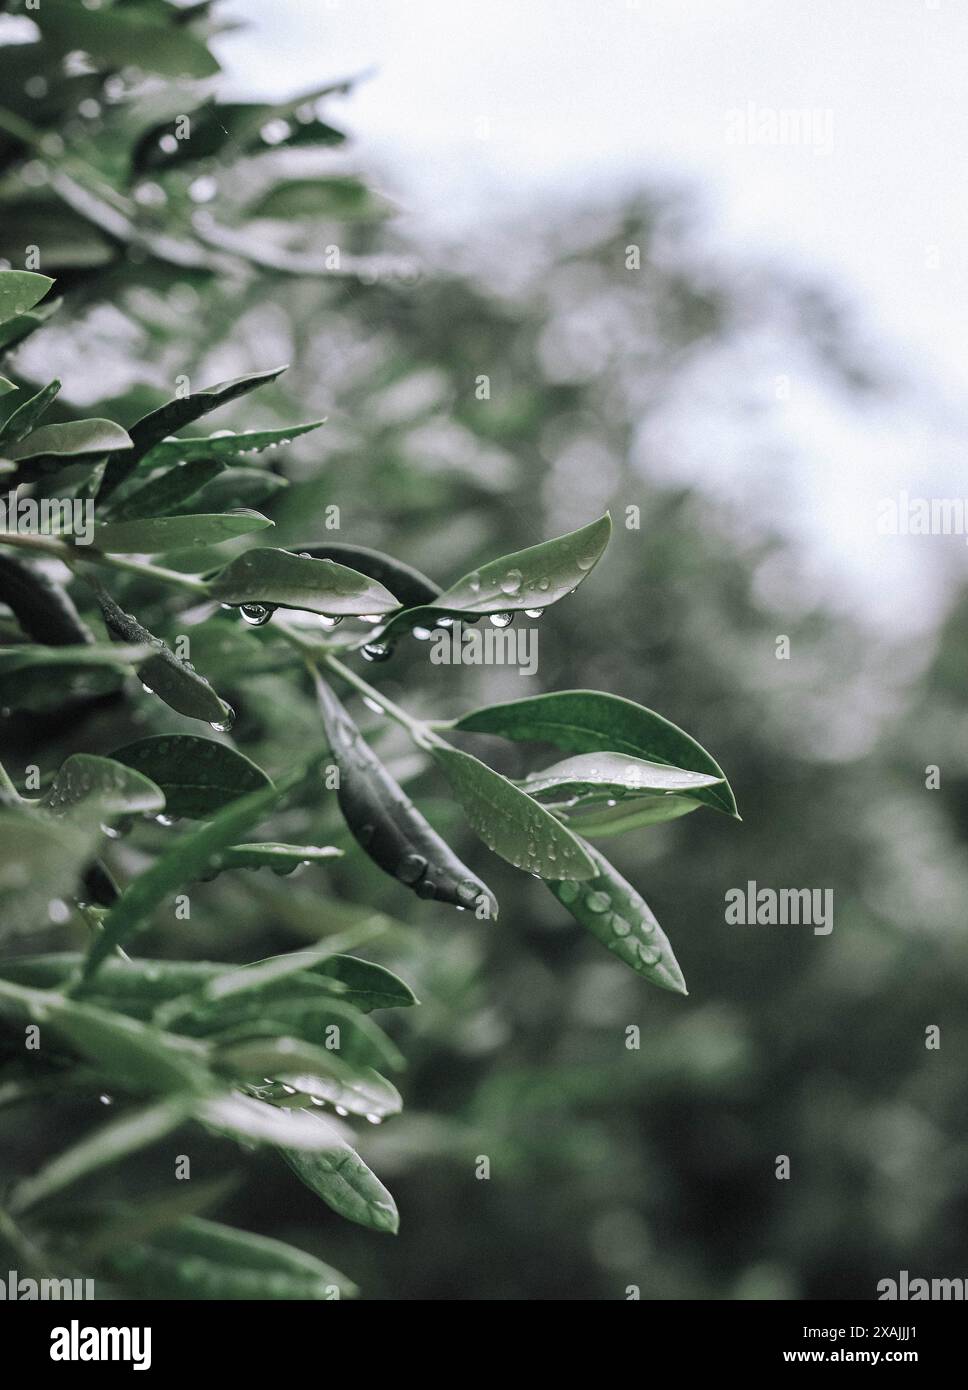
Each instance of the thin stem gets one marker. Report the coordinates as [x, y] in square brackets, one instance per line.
[420, 732]
[72, 555]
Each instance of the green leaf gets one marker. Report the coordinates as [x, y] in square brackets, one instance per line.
[314, 1072]
[127, 36]
[40, 861]
[532, 578]
[341, 198]
[239, 125]
[253, 1121]
[282, 859]
[27, 657]
[175, 415]
[587, 721]
[132, 1055]
[154, 535]
[204, 1259]
[239, 487]
[407, 584]
[103, 788]
[367, 985]
[284, 580]
[303, 1013]
[610, 908]
[229, 445]
[13, 331]
[20, 290]
[162, 495]
[6, 386]
[510, 822]
[339, 1176]
[183, 862]
[387, 825]
[108, 1144]
[18, 425]
[197, 775]
[612, 775]
[360, 985]
[42, 608]
[174, 681]
[602, 821]
[50, 445]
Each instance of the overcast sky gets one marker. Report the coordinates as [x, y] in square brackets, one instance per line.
[482, 106]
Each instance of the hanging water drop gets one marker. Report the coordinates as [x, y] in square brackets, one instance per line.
[256, 614]
[224, 725]
[533, 613]
[330, 620]
[376, 651]
[422, 634]
[501, 619]
[166, 821]
[372, 704]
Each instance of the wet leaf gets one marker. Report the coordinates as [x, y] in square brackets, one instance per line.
[615, 914]
[339, 1176]
[387, 825]
[101, 788]
[230, 445]
[588, 721]
[285, 580]
[510, 822]
[197, 775]
[162, 495]
[155, 535]
[43, 608]
[20, 290]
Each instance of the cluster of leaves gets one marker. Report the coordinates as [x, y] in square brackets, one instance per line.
[112, 142]
[238, 1049]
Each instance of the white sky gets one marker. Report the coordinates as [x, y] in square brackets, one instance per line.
[585, 93]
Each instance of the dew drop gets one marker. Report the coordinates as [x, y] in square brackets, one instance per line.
[341, 1111]
[474, 583]
[411, 868]
[110, 831]
[58, 911]
[223, 726]
[649, 955]
[330, 620]
[544, 583]
[376, 651]
[106, 1099]
[533, 613]
[165, 821]
[444, 622]
[374, 1119]
[371, 618]
[567, 891]
[255, 614]
[619, 925]
[501, 619]
[598, 902]
[422, 634]
[512, 581]
[372, 704]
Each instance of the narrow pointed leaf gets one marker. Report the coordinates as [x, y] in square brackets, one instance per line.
[226, 446]
[601, 821]
[20, 290]
[282, 859]
[18, 425]
[588, 721]
[155, 535]
[532, 578]
[311, 1071]
[239, 487]
[285, 580]
[174, 681]
[387, 825]
[615, 914]
[612, 775]
[339, 1176]
[175, 415]
[510, 822]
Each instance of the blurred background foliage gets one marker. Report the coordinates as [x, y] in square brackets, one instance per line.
[610, 1166]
